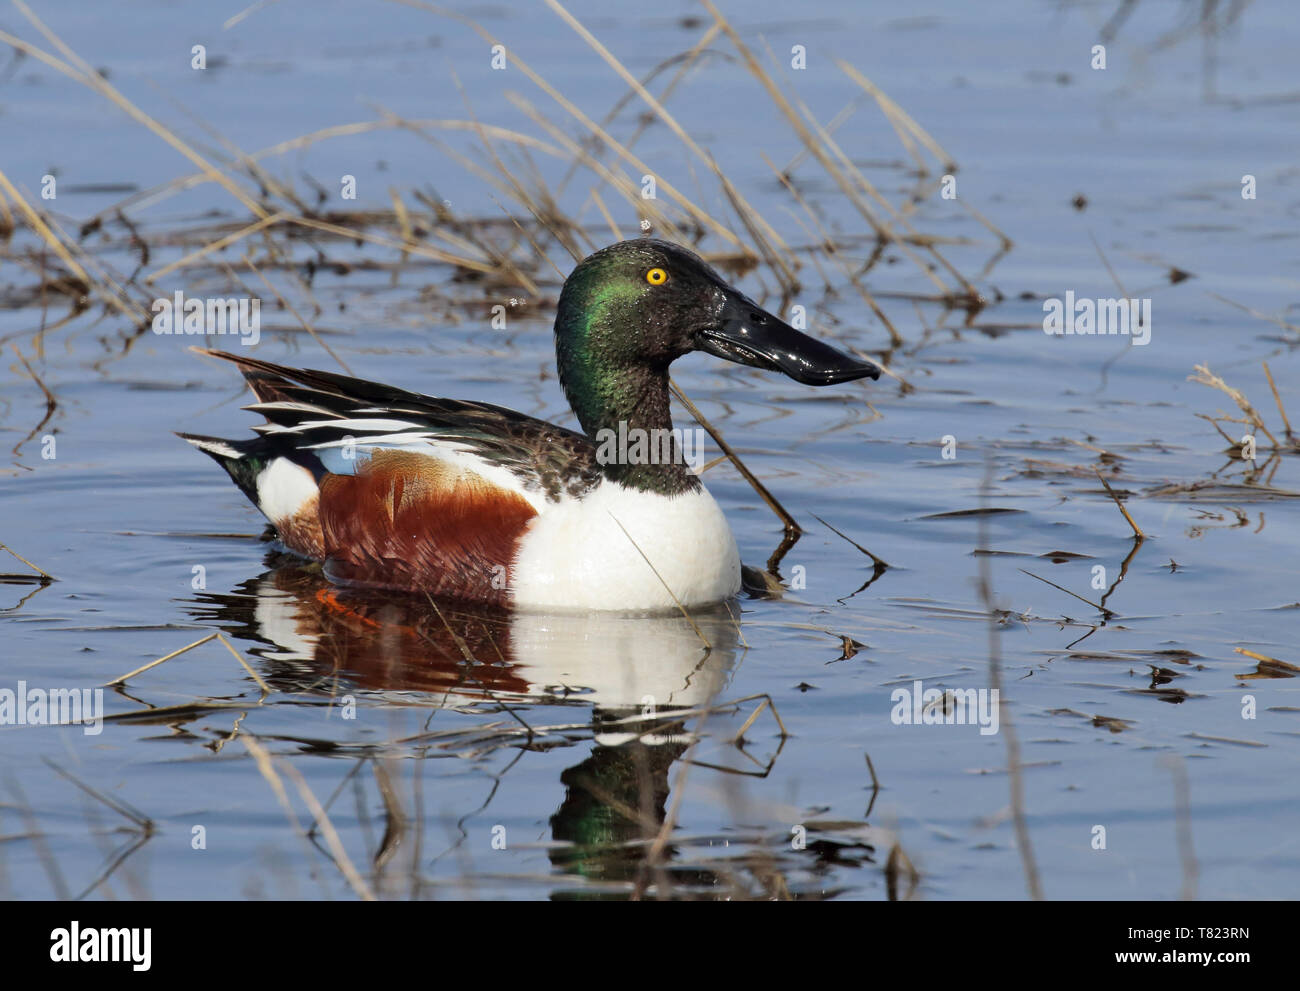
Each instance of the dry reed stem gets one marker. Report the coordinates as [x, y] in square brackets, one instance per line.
[878, 562]
[604, 212]
[122, 679]
[1137, 531]
[784, 273]
[51, 403]
[895, 338]
[1277, 321]
[217, 245]
[1286, 424]
[1204, 376]
[81, 71]
[423, 250]
[39, 226]
[686, 59]
[290, 307]
[904, 242]
[1257, 657]
[266, 766]
[41, 571]
[658, 108]
[790, 525]
[569, 107]
[897, 115]
[179, 184]
[619, 182]
[801, 130]
[117, 805]
[1101, 609]
[1016, 780]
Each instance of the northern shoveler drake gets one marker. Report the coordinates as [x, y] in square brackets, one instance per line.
[465, 500]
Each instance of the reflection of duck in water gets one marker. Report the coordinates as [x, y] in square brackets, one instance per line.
[634, 673]
[614, 802]
[464, 500]
[314, 630]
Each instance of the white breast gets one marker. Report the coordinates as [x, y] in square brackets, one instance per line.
[576, 555]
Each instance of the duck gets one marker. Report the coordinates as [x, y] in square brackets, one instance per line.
[468, 501]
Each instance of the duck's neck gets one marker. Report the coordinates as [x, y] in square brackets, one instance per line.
[625, 412]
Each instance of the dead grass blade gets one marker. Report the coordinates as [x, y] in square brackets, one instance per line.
[292, 309]
[791, 527]
[78, 69]
[266, 765]
[1286, 424]
[744, 207]
[40, 571]
[1137, 531]
[122, 679]
[217, 245]
[1204, 376]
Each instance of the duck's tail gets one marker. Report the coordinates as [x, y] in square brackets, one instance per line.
[279, 479]
[243, 460]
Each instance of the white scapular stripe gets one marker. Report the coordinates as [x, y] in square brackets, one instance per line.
[370, 425]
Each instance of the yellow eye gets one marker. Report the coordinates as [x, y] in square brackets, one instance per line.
[656, 276]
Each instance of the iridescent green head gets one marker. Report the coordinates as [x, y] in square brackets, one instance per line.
[628, 311]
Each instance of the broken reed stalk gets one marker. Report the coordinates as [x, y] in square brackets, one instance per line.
[39, 226]
[51, 404]
[290, 307]
[1101, 609]
[686, 61]
[179, 184]
[118, 805]
[895, 338]
[1215, 424]
[41, 571]
[765, 704]
[618, 181]
[747, 209]
[1204, 376]
[1017, 787]
[791, 527]
[78, 69]
[683, 201]
[898, 116]
[265, 764]
[784, 273]
[352, 234]
[1137, 531]
[541, 212]
[217, 245]
[875, 785]
[122, 679]
[1286, 424]
[1275, 320]
[904, 243]
[878, 562]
